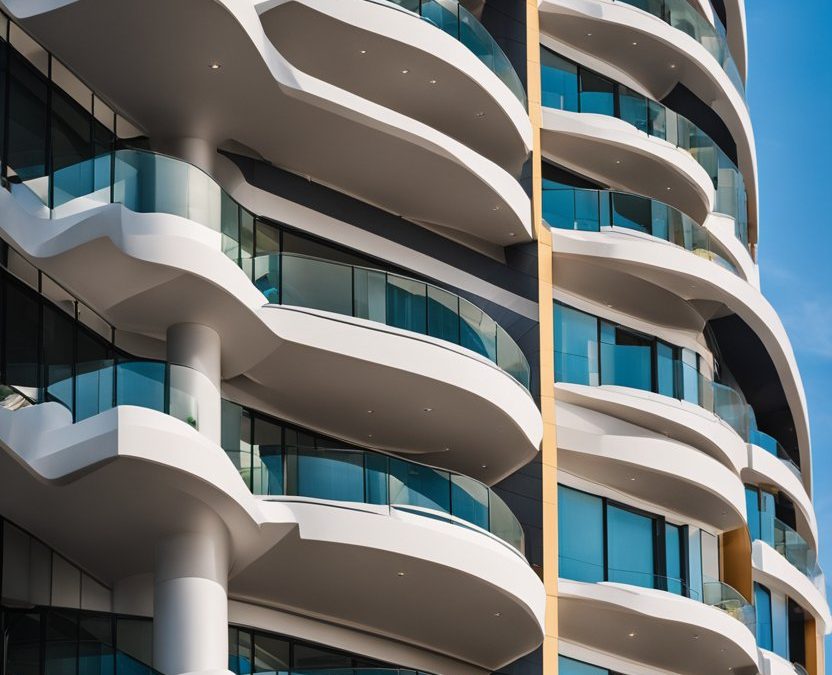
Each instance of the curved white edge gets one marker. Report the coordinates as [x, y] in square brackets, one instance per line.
[774, 664]
[668, 631]
[92, 480]
[691, 277]
[676, 419]
[702, 73]
[482, 199]
[649, 466]
[413, 33]
[153, 261]
[617, 154]
[763, 467]
[396, 556]
[774, 571]
[722, 227]
[737, 34]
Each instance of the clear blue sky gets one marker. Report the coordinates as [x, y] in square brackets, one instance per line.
[790, 96]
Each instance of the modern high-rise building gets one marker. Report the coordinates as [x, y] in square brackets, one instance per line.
[396, 337]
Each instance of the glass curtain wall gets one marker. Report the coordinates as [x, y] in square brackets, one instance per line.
[601, 540]
[568, 86]
[276, 458]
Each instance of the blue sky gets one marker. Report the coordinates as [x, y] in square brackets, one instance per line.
[790, 96]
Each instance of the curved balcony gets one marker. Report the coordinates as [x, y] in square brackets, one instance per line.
[597, 210]
[147, 182]
[431, 60]
[573, 88]
[684, 17]
[795, 549]
[657, 628]
[304, 125]
[324, 469]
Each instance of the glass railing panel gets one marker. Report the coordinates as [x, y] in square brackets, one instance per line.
[730, 406]
[376, 482]
[503, 523]
[444, 14]
[316, 284]
[796, 550]
[632, 212]
[370, 294]
[330, 473]
[182, 404]
[478, 331]
[590, 572]
[588, 210]
[722, 596]
[443, 315]
[469, 500]
[264, 272]
[407, 304]
[474, 36]
[511, 358]
[141, 383]
[633, 108]
[416, 485]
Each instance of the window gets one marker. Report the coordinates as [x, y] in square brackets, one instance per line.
[559, 82]
[626, 357]
[580, 535]
[632, 212]
[631, 554]
[597, 93]
[674, 542]
[567, 666]
[576, 346]
[267, 455]
[762, 603]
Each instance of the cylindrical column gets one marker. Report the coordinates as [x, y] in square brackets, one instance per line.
[190, 604]
[195, 388]
[196, 151]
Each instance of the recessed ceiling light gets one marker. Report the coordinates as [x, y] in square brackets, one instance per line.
[672, 66]
[635, 44]
[363, 51]
[632, 635]
[485, 466]
[369, 435]
[216, 66]
[370, 412]
[669, 188]
[405, 71]
[695, 636]
[618, 161]
[511, 234]
[428, 409]
[498, 613]
[432, 81]
[480, 114]
[400, 574]
[632, 477]
[495, 208]
[589, 34]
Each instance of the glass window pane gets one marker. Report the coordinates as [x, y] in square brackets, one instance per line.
[587, 212]
[415, 485]
[271, 654]
[469, 500]
[752, 508]
[580, 535]
[478, 331]
[22, 640]
[690, 376]
[66, 583]
[559, 207]
[632, 212]
[633, 108]
[767, 515]
[576, 346]
[72, 149]
[94, 376]
[559, 82]
[22, 337]
[630, 555]
[626, 358]
[315, 658]
[61, 639]
[376, 478]
[16, 565]
[236, 438]
[267, 458]
[762, 603]
[134, 642]
[95, 648]
[317, 284]
[407, 304]
[246, 651]
[141, 383]
[370, 294]
[443, 314]
[674, 559]
[568, 666]
[666, 368]
[230, 226]
[597, 94]
[330, 473]
[27, 125]
[58, 356]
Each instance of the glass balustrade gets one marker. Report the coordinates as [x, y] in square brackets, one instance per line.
[452, 18]
[684, 17]
[397, 301]
[795, 549]
[587, 210]
[275, 459]
[567, 86]
[722, 596]
[583, 570]
[148, 182]
[771, 445]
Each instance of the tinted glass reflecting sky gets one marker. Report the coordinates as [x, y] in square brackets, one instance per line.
[790, 94]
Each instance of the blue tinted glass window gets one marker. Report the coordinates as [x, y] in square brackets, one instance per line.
[633, 108]
[580, 535]
[762, 603]
[576, 346]
[630, 549]
[587, 211]
[72, 149]
[767, 513]
[674, 559]
[375, 478]
[141, 383]
[690, 376]
[626, 358]
[93, 376]
[267, 475]
[597, 94]
[469, 500]
[27, 121]
[58, 356]
[415, 485]
[559, 82]
[567, 666]
[330, 473]
[632, 212]
[752, 507]
[559, 206]
[666, 368]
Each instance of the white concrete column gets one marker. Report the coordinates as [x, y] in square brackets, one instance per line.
[190, 603]
[195, 389]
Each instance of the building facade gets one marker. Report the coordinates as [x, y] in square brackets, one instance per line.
[413, 336]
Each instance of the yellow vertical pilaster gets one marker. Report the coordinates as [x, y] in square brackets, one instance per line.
[549, 449]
